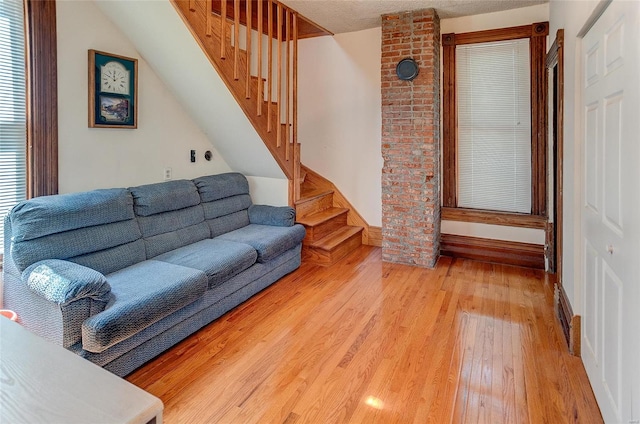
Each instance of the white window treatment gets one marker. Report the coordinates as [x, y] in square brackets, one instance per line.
[12, 108]
[494, 126]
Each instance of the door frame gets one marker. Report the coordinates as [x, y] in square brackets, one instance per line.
[555, 72]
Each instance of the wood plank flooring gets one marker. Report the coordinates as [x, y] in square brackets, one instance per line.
[364, 341]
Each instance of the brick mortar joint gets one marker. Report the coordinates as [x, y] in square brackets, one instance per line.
[410, 181]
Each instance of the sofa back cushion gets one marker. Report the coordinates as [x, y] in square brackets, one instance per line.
[170, 215]
[225, 200]
[96, 229]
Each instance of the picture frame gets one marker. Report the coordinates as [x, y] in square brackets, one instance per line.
[113, 90]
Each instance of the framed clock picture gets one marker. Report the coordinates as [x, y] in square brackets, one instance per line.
[113, 91]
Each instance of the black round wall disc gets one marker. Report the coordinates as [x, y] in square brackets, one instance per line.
[407, 69]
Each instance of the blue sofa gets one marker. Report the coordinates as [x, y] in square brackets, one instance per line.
[120, 275]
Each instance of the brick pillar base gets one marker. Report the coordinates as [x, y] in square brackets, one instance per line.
[411, 140]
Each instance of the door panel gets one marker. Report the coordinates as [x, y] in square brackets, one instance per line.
[612, 178]
[611, 213]
[612, 334]
[592, 169]
[591, 292]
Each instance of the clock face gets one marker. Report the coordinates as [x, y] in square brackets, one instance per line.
[114, 78]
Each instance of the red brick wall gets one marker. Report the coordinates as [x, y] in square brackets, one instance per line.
[411, 139]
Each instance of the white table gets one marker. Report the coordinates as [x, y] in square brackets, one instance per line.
[44, 383]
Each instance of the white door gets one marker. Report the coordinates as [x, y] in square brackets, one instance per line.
[611, 212]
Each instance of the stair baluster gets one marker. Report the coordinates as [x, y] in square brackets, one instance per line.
[220, 43]
[259, 70]
[223, 23]
[279, 75]
[334, 228]
[236, 39]
[248, 36]
[287, 79]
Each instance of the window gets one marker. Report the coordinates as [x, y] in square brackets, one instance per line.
[13, 121]
[494, 143]
[28, 102]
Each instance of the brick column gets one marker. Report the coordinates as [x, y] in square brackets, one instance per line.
[411, 139]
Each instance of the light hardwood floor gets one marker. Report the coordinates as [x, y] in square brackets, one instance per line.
[370, 342]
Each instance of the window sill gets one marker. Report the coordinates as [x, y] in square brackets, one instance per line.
[509, 219]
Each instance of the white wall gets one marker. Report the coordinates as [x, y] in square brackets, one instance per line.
[98, 157]
[571, 16]
[269, 191]
[507, 18]
[165, 42]
[339, 115]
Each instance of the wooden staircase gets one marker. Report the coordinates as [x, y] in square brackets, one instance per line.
[233, 35]
[333, 227]
[253, 45]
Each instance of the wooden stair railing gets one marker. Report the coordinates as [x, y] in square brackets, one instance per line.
[223, 28]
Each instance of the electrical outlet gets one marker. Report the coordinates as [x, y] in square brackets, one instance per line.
[168, 173]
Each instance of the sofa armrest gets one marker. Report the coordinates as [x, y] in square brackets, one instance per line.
[63, 282]
[280, 216]
[64, 295]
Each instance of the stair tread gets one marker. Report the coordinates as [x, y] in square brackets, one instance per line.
[333, 240]
[306, 196]
[322, 216]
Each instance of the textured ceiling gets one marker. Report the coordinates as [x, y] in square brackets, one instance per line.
[353, 15]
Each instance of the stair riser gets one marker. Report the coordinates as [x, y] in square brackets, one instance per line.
[321, 230]
[315, 205]
[325, 258]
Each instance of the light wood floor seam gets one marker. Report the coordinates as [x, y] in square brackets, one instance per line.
[364, 341]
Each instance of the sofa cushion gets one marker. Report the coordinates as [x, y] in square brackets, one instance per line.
[168, 196]
[97, 224]
[225, 200]
[280, 216]
[141, 295]
[219, 259]
[226, 206]
[170, 216]
[269, 241]
[96, 240]
[215, 187]
[227, 223]
[46, 215]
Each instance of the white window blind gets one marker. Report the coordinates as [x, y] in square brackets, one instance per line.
[494, 126]
[12, 109]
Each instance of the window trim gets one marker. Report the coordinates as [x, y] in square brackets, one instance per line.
[41, 63]
[42, 97]
[537, 34]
